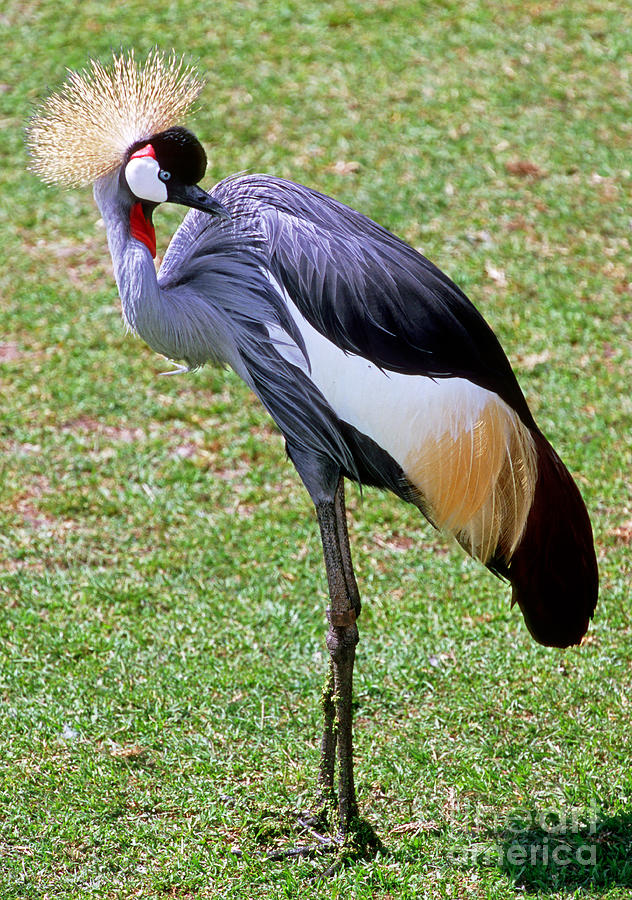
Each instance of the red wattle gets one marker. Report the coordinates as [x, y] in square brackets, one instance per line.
[142, 228]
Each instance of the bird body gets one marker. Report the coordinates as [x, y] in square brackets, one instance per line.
[284, 299]
[373, 363]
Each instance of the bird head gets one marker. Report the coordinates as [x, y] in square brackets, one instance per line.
[124, 118]
[165, 168]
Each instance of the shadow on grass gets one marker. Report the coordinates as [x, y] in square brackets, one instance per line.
[541, 852]
[594, 856]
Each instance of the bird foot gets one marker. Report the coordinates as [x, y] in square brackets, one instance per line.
[315, 825]
[322, 844]
[357, 840]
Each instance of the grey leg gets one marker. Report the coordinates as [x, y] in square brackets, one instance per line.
[342, 643]
[345, 551]
[328, 744]
[327, 766]
[322, 478]
[342, 638]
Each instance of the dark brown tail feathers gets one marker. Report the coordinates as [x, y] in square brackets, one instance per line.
[553, 571]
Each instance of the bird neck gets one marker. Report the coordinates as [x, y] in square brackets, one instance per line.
[176, 321]
[132, 261]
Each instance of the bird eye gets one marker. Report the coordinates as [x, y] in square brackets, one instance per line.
[164, 175]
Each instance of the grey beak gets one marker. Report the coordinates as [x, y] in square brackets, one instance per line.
[193, 196]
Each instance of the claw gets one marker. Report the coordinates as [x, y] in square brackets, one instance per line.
[177, 370]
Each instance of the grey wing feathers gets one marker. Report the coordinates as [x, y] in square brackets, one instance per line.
[370, 292]
[224, 266]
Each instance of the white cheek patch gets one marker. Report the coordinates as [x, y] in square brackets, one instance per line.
[141, 174]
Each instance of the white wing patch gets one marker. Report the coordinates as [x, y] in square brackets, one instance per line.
[460, 445]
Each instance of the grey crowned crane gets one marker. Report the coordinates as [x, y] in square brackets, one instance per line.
[373, 364]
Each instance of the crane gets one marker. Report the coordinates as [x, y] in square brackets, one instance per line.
[373, 364]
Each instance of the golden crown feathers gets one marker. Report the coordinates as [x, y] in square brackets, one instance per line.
[85, 129]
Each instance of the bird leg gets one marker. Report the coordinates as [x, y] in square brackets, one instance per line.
[353, 837]
[342, 638]
[341, 643]
[326, 771]
[356, 837]
[345, 550]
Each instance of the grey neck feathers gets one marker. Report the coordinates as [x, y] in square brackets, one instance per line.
[173, 320]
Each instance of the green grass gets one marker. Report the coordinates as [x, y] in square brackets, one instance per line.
[162, 626]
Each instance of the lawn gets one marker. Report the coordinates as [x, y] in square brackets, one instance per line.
[162, 591]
